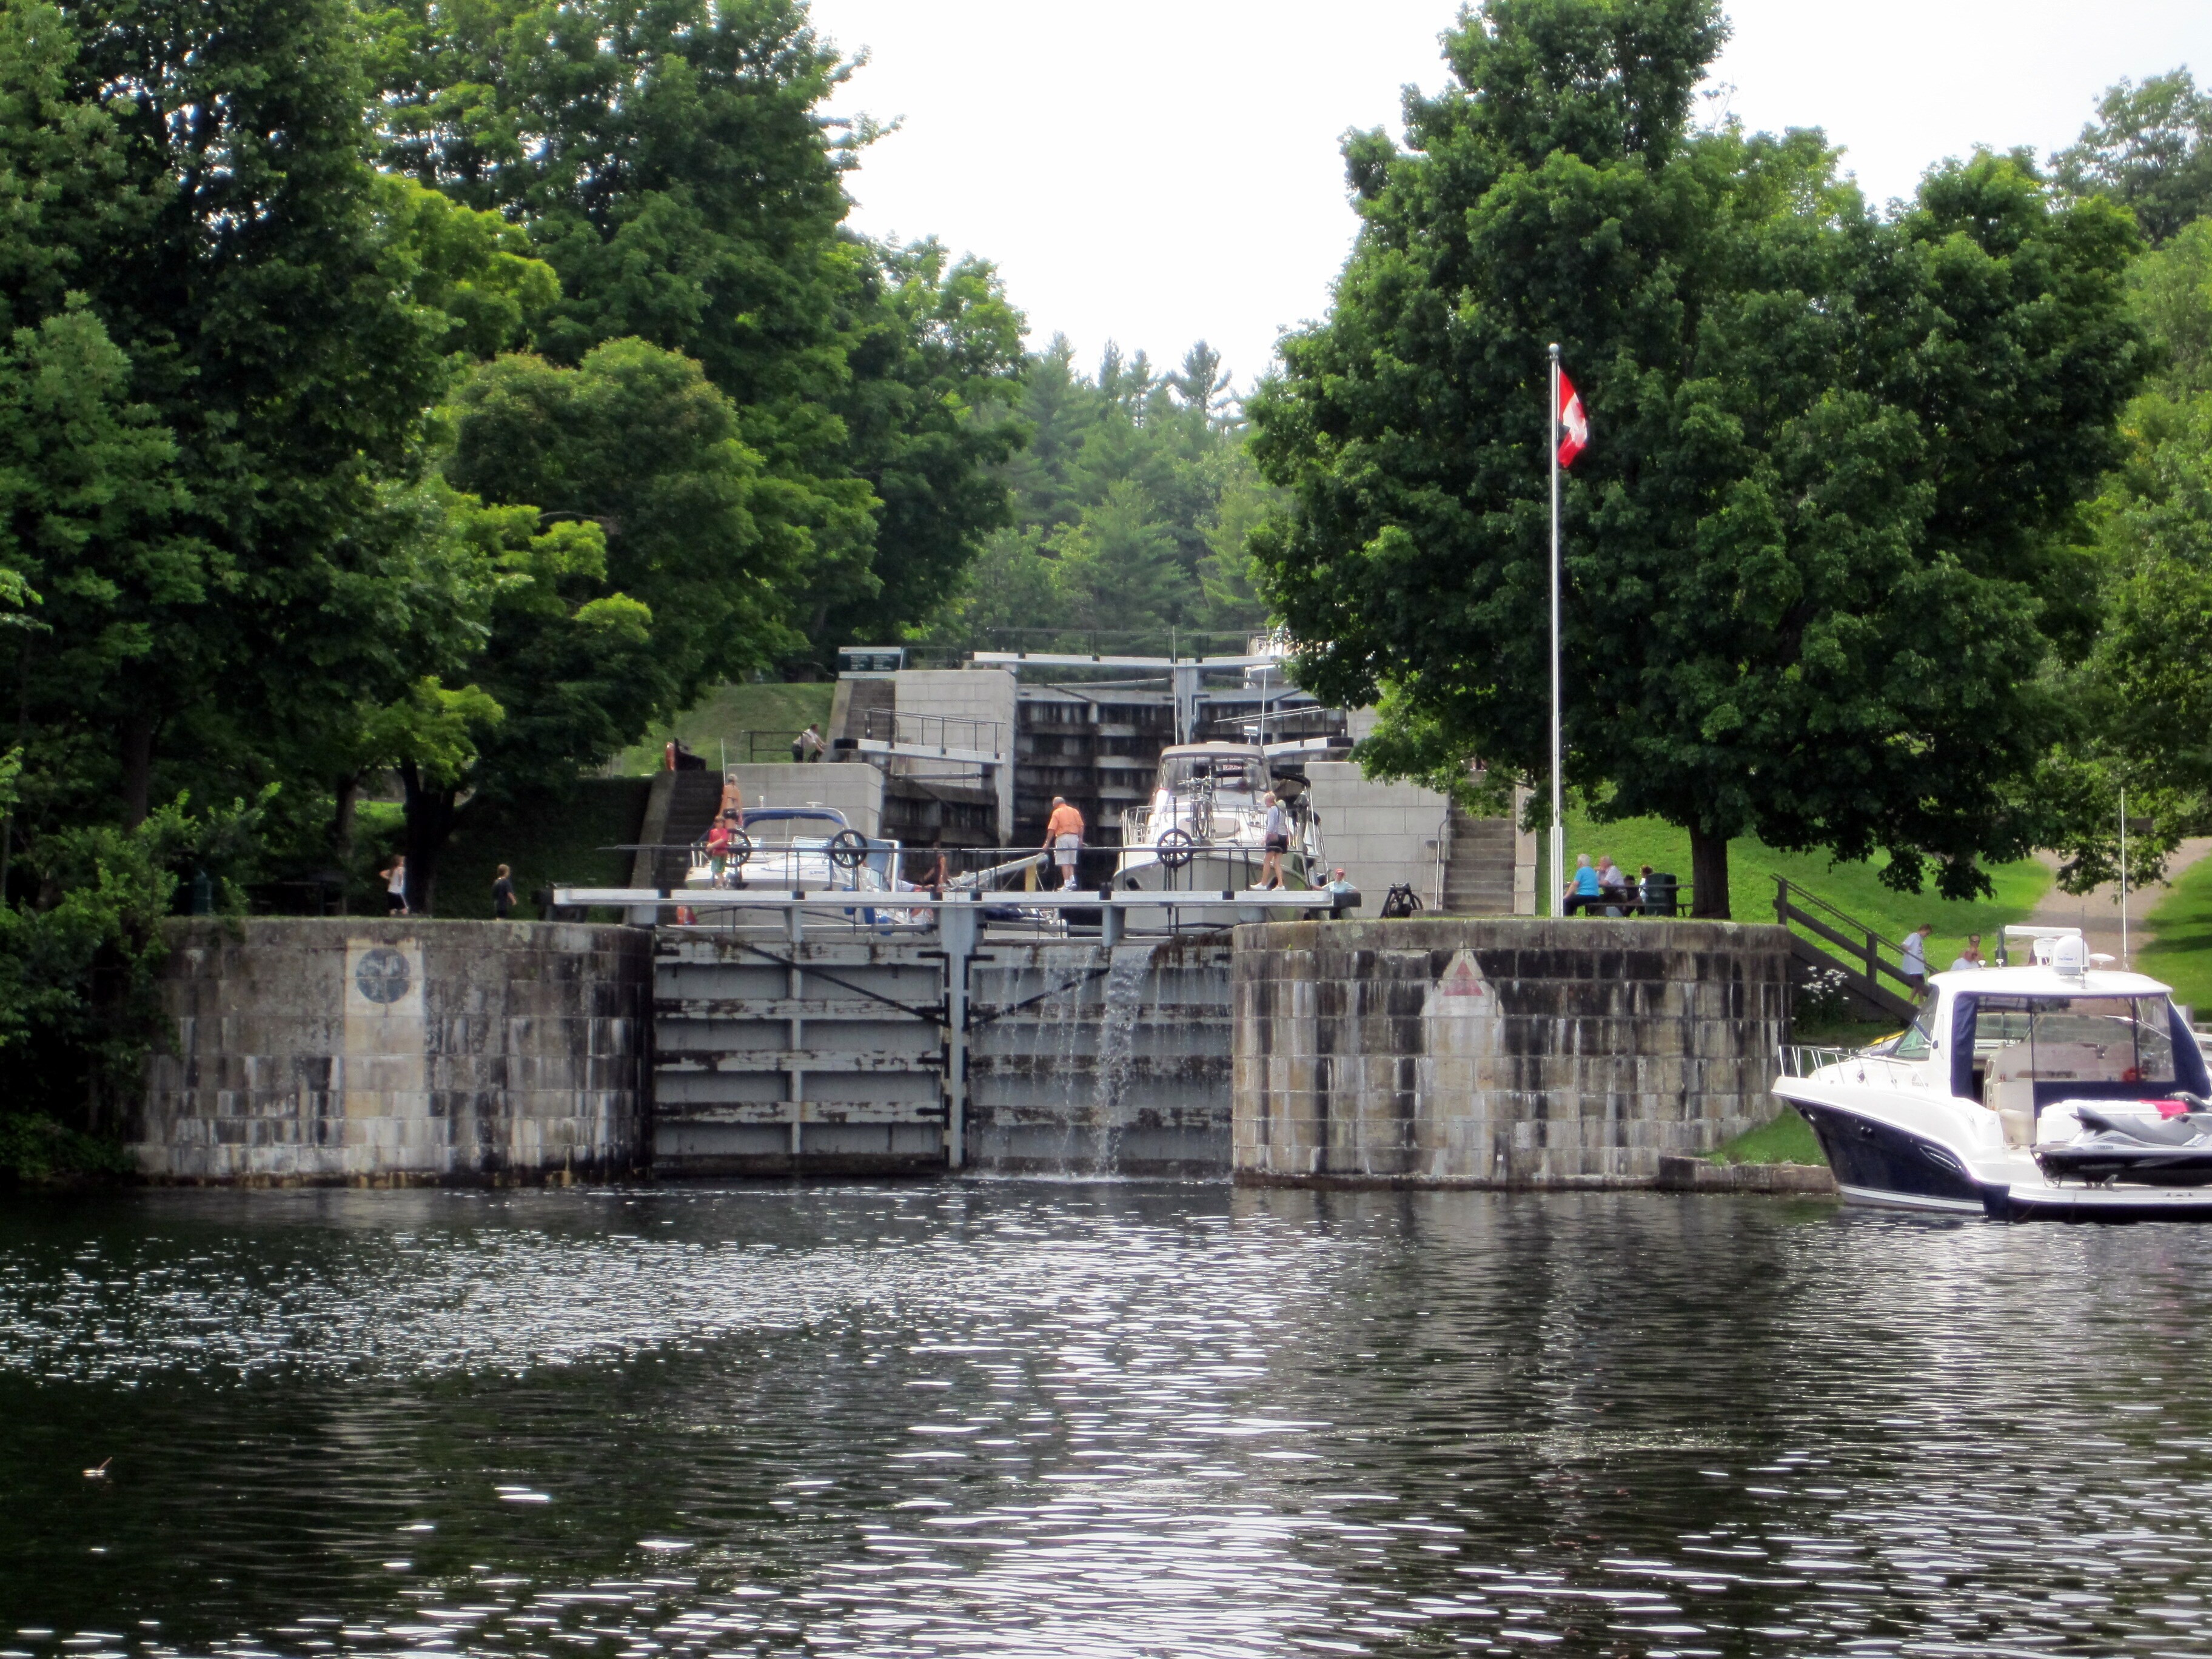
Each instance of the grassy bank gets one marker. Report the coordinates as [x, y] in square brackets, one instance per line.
[1854, 889]
[2180, 951]
[1787, 1139]
[722, 717]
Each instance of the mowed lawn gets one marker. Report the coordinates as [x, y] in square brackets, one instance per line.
[716, 724]
[2180, 951]
[1855, 889]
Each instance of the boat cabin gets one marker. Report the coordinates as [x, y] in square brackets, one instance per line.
[1216, 767]
[2017, 1041]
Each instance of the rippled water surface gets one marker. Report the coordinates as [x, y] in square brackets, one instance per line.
[1014, 1419]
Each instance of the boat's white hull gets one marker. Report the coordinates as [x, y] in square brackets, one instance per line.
[1904, 1149]
[1210, 873]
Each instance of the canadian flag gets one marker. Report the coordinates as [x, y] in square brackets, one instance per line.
[1574, 421]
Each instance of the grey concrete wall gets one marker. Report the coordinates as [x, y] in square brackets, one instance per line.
[1507, 1051]
[853, 788]
[1380, 832]
[329, 1050]
[968, 694]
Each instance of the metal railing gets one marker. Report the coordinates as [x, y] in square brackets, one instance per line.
[1803, 1059]
[757, 748]
[940, 734]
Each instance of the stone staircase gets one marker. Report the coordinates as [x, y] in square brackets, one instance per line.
[1478, 872]
[678, 809]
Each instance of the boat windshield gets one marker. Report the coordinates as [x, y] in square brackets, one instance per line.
[1224, 771]
[1912, 1043]
[806, 832]
[2085, 1039]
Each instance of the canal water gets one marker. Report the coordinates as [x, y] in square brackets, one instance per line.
[1039, 1418]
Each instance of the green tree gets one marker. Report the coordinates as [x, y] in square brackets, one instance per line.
[672, 163]
[936, 359]
[2147, 725]
[614, 581]
[2150, 150]
[1809, 551]
[196, 173]
[1118, 564]
[1132, 502]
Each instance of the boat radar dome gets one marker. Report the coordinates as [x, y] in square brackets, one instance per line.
[2044, 944]
[2070, 957]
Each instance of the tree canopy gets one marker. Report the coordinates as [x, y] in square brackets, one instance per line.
[1814, 555]
[1131, 503]
[2150, 149]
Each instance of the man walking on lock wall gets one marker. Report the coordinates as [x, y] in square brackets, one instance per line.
[1063, 834]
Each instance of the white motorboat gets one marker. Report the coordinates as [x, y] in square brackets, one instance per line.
[807, 849]
[2059, 1090]
[1205, 828]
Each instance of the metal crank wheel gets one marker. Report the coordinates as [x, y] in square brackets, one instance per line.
[740, 849]
[1176, 849]
[848, 849]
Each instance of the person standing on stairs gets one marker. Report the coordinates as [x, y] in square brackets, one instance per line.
[1916, 956]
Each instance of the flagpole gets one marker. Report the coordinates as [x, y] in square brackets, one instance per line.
[1559, 817]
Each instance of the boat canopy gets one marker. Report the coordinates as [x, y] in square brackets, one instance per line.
[1224, 765]
[2015, 1042]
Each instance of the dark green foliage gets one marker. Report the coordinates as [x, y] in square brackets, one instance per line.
[1810, 582]
[1131, 505]
[927, 413]
[2150, 149]
[669, 162]
[545, 837]
[2147, 713]
[77, 999]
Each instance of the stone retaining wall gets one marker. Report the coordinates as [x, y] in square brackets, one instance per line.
[328, 1050]
[1512, 1052]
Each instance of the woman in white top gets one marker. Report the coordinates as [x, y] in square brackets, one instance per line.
[1275, 834]
[395, 885]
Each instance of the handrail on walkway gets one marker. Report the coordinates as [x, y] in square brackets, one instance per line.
[1856, 948]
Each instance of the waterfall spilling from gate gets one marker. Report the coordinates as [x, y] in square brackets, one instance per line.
[850, 1054]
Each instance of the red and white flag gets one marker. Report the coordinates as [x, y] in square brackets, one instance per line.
[1574, 422]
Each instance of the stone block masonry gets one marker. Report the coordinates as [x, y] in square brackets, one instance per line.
[1512, 1052]
[334, 1051]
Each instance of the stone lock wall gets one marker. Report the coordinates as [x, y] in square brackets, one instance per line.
[1504, 1052]
[329, 1050]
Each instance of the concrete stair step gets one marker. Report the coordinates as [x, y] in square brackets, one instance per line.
[1478, 872]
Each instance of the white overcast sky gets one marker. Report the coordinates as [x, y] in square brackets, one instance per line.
[1155, 172]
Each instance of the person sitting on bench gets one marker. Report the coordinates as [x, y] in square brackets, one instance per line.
[1583, 892]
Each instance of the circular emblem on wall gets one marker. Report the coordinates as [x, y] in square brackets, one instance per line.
[382, 974]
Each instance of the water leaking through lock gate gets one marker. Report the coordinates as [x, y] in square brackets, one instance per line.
[847, 1051]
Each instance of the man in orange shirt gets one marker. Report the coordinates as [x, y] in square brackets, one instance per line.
[1063, 834]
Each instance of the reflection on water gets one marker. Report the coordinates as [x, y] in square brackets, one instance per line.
[1111, 1419]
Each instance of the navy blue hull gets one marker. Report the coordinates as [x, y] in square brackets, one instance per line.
[1876, 1158]
[1887, 1162]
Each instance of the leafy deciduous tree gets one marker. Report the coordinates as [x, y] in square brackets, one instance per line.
[1809, 551]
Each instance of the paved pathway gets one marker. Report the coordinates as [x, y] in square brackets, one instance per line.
[2097, 913]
